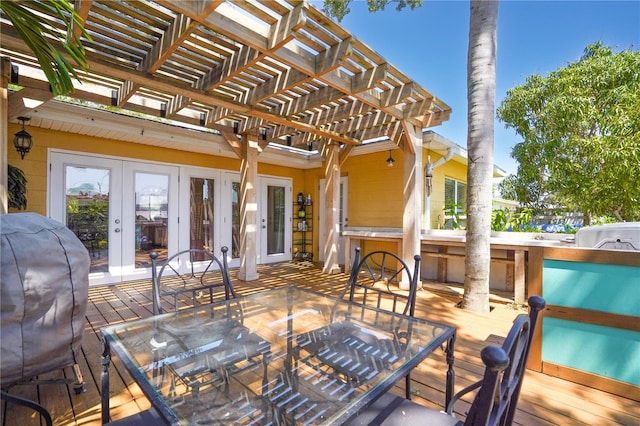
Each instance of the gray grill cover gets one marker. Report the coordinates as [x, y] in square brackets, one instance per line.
[44, 281]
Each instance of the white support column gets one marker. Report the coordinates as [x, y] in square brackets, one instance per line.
[248, 211]
[331, 209]
[412, 196]
[5, 71]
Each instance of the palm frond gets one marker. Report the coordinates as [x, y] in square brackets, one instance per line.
[43, 40]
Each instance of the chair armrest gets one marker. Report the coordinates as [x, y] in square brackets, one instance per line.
[460, 394]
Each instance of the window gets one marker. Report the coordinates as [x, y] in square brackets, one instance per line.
[455, 203]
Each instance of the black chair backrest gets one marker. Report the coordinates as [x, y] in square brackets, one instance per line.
[375, 280]
[190, 277]
[44, 414]
[495, 403]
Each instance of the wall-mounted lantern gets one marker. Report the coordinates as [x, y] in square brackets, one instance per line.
[22, 140]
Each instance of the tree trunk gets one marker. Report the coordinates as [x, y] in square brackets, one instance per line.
[481, 83]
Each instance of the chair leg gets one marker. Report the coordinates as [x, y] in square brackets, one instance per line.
[407, 387]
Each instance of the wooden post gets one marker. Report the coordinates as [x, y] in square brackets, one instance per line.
[332, 210]
[248, 211]
[5, 72]
[518, 277]
[412, 197]
[536, 257]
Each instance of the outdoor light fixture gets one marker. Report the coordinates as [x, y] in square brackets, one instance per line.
[22, 140]
[428, 175]
[390, 160]
[236, 127]
[263, 133]
[288, 140]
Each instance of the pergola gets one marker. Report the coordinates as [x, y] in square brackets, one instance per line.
[257, 75]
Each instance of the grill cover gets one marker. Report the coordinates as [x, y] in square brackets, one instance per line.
[612, 236]
[44, 281]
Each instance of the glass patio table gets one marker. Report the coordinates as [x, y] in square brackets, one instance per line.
[247, 360]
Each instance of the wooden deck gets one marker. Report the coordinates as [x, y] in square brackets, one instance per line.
[544, 400]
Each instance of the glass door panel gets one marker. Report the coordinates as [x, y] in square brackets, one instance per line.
[235, 220]
[151, 216]
[201, 214]
[87, 211]
[85, 195]
[121, 210]
[274, 217]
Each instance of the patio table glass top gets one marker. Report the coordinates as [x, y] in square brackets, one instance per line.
[253, 359]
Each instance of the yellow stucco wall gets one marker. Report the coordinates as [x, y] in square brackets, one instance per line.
[375, 190]
[34, 164]
[452, 170]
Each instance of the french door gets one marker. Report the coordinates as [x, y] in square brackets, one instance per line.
[274, 220]
[273, 237]
[120, 210]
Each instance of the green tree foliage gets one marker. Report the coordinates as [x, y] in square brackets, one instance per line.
[44, 40]
[580, 127]
[338, 9]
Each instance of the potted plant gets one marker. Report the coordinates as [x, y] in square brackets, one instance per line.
[17, 193]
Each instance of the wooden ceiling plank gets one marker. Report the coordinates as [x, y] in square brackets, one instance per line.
[117, 40]
[176, 104]
[125, 92]
[283, 31]
[136, 11]
[288, 56]
[320, 33]
[173, 37]
[128, 18]
[230, 67]
[369, 78]
[396, 95]
[333, 57]
[16, 106]
[328, 24]
[313, 89]
[316, 100]
[254, 10]
[310, 42]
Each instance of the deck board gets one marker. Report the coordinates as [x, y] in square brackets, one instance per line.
[545, 400]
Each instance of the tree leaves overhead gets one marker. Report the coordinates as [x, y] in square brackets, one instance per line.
[43, 39]
[338, 9]
[580, 127]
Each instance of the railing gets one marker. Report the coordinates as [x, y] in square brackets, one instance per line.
[590, 331]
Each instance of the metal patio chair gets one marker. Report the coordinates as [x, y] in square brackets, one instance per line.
[497, 393]
[196, 278]
[374, 283]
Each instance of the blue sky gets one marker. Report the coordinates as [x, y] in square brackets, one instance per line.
[429, 44]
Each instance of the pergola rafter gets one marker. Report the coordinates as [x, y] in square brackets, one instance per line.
[277, 64]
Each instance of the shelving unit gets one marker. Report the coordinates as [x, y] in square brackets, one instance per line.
[303, 230]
